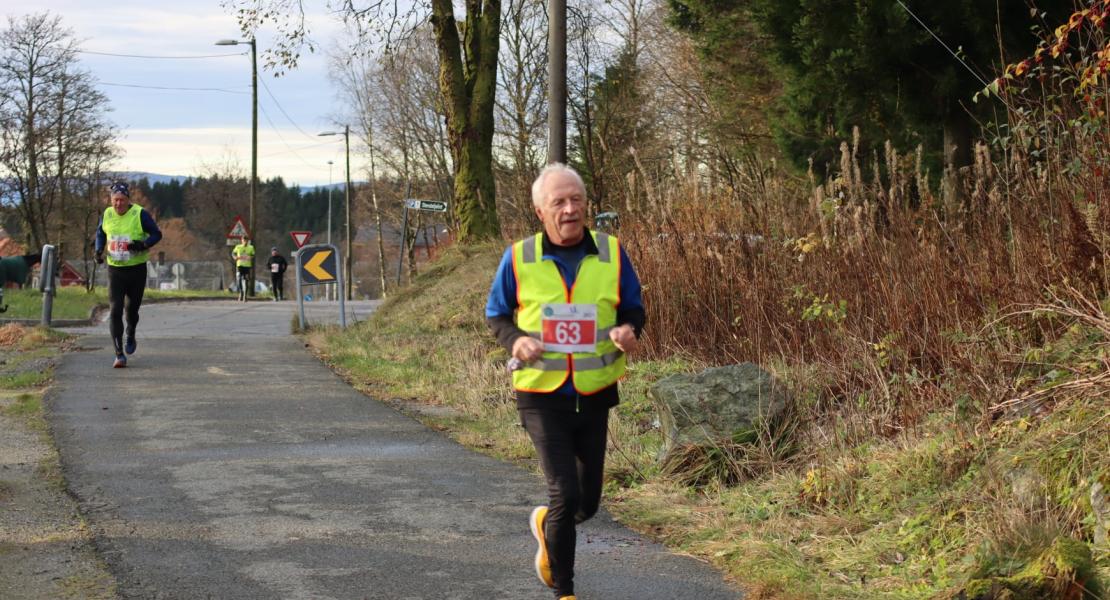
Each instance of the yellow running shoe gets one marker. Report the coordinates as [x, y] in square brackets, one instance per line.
[543, 566]
[568, 598]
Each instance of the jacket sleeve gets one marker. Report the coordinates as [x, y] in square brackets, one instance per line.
[631, 309]
[501, 304]
[101, 237]
[153, 234]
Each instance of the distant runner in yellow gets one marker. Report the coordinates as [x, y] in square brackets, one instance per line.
[244, 264]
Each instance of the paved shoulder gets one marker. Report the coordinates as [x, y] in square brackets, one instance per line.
[226, 462]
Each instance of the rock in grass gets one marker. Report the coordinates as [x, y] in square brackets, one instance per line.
[730, 403]
[1064, 571]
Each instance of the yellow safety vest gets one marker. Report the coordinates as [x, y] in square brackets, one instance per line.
[120, 230]
[240, 251]
[539, 282]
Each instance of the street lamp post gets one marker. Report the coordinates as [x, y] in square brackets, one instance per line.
[346, 133]
[329, 201]
[331, 288]
[254, 142]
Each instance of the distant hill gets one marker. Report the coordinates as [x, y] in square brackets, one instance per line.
[151, 177]
[160, 178]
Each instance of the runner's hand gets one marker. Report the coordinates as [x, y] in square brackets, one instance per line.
[527, 349]
[100, 258]
[136, 246]
[625, 338]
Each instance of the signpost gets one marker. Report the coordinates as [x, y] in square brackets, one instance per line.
[318, 264]
[300, 238]
[414, 204]
[238, 230]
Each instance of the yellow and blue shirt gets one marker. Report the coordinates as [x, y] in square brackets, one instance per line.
[146, 229]
[503, 303]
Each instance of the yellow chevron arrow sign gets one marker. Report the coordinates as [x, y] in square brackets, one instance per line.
[315, 266]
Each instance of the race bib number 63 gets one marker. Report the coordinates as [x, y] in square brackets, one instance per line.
[569, 327]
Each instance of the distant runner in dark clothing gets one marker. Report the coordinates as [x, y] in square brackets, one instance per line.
[277, 265]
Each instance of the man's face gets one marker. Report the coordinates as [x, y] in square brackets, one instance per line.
[243, 241]
[563, 209]
[121, 203]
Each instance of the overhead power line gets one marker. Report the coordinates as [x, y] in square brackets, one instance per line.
[159, 57]
[159, 87]
[291, 149]
[937, 38]
[278, 104]
[282, 138]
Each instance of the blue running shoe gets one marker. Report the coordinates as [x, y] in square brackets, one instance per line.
[121, 362]
[130, 345]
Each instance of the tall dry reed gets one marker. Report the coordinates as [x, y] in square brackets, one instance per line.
[879, 282]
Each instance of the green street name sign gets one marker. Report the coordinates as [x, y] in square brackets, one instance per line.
[430, 205]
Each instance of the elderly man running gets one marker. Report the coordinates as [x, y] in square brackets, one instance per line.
[126, 233]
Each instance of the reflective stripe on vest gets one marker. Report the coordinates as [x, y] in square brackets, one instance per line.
[128, 226]
[539, 282]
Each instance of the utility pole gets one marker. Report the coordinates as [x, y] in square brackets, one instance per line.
[254, 153]
[556, 81]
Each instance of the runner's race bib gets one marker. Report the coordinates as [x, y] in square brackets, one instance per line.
[117, 247]
[569, 327]
[274, 268]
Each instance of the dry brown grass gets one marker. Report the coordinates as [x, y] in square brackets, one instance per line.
[880, 287]
[11, 334]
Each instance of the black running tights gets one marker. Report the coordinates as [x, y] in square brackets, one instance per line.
[571, 447]
[125, 283]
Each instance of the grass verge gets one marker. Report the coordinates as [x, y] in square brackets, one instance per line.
[74, 302]
[972, 489]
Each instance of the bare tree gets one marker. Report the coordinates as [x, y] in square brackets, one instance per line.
[355, 77]
[467, 68]
[583, 58]
[216, 198]
[52, 123]
[86, 200]
[521, 110]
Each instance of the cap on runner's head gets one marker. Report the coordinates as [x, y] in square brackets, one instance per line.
[274, 249]
[120, 187]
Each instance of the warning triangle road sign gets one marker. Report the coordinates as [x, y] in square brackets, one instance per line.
[238, 229]
[300, 238]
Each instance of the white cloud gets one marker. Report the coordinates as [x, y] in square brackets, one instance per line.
[172, 132]
[189, 151]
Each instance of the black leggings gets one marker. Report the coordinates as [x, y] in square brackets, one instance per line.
[277, 284]
[130, 283]
[571, 447]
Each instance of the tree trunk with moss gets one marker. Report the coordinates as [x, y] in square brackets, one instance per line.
[467, 79]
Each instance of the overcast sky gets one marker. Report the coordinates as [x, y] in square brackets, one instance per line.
[177, 132]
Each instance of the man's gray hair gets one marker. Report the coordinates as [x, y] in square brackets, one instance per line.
[537, 185]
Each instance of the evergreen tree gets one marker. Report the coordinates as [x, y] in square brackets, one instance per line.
[871, 64]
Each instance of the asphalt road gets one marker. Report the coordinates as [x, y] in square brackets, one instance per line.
[227, 462]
